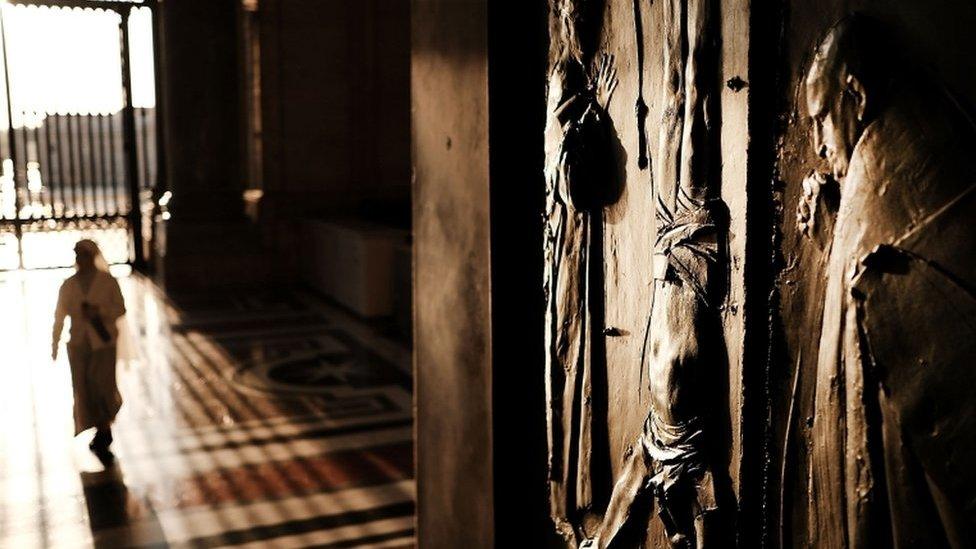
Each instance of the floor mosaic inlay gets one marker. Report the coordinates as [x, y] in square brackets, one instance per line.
[249, 421]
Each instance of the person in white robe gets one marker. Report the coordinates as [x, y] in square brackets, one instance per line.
[93, 300]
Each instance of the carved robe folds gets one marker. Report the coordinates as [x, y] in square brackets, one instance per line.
[894, 448]
[577, 157]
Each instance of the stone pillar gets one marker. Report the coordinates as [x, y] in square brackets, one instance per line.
[206, 240]
[478, 80]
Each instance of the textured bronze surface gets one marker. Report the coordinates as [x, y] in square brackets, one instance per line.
[893, 435]
[670, 457]
[577, 166]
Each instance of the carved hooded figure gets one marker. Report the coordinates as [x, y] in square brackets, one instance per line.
[894, 429]
[578, 161]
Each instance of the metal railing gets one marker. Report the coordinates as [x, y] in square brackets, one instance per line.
[79, 171]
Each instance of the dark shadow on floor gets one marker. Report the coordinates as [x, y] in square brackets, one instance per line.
[116, 518]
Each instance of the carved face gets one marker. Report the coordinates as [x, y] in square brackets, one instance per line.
[835, 103]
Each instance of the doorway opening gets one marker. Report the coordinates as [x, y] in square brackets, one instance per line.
[79, 134]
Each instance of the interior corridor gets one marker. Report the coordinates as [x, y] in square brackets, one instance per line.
[249, 420]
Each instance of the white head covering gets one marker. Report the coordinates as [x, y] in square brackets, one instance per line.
[127, 347]
[91, 247]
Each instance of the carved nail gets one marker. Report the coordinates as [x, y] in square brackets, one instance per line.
[736, 84]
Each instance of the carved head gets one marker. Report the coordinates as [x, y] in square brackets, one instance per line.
[574, 29]
[846, 86]
[570, 24]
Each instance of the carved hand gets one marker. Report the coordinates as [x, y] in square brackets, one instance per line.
[806, 209]
[605, 82]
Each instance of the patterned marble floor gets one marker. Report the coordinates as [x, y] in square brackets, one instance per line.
[249, 421]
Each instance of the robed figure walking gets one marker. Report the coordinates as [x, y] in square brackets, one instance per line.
[93, 301]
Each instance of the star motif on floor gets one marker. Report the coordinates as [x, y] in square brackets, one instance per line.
[322, 369]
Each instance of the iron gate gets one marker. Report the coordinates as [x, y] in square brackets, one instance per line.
[79, 146]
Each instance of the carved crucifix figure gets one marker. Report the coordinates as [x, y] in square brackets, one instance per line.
[671, 457]
[578, 164]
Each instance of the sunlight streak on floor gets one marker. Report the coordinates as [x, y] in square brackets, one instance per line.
[199, 460]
